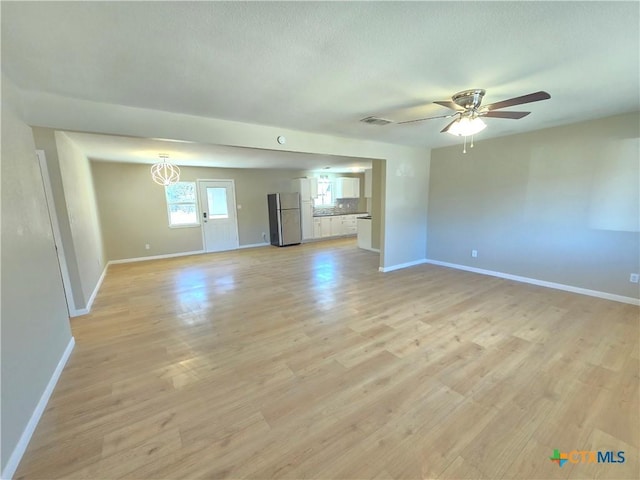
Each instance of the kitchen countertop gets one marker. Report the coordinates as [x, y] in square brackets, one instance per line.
[338, 214]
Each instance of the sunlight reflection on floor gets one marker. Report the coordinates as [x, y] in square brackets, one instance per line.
[325, 280]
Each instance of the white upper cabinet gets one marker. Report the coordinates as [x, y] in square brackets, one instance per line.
[368, 183]
[347, 187]
[306, 187]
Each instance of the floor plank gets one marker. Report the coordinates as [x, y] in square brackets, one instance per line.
[306, 362]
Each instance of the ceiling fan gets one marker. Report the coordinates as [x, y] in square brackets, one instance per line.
[468, 111]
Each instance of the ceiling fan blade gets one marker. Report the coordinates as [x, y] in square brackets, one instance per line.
[428, 118]
[513, 115]
[451, 105]
[448, 126]
[532, 97]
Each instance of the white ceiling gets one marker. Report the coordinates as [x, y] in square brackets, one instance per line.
[322, 66]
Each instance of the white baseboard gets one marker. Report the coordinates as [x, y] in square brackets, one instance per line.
[402, 265]
[377, 250]
[95, 290]
[541, 283]
[25, 438]
[85, 311]
[254, 245]
[154, 257]
[75, 312]
[79, 312]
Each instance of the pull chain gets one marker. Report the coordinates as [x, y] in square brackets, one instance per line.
[471, 146]
[464, 150]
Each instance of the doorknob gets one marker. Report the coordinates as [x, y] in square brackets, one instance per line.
[204, 215]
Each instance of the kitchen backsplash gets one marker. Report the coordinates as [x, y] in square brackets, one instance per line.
[343, 206]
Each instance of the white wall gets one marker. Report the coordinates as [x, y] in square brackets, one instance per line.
[405, 229]
[35, 328]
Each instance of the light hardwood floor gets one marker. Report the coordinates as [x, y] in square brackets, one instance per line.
[306, 362]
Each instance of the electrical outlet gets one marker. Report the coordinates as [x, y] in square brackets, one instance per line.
[474, 253]
[147, 246]
[633, 278]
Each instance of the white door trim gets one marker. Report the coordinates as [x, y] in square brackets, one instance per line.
[199, 182]
[57, 236]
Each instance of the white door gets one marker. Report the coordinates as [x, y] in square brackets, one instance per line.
[218, 211]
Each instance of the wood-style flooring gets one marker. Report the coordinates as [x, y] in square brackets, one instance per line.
[306, 362]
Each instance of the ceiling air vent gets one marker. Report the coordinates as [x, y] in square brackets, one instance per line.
[376, 121]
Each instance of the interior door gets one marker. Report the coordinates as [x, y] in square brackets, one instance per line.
[57, 236]
[218, 210]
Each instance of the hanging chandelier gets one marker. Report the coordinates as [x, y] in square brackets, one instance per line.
[164, 173]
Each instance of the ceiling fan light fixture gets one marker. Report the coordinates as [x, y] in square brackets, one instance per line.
[466, 127]
[164, 173]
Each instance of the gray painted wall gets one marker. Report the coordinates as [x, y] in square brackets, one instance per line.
[80, 199]
[133, 210]
[35, 328]
[407, 228]
[377, 183]
[531, 205]
[45, 140]
[405, 194]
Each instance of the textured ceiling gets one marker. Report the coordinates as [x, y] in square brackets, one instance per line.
[322, 66]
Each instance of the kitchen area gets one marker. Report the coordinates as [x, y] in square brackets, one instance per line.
[336, 206]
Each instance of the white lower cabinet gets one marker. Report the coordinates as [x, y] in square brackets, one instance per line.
[335, 226]
[325, 223]
[317, 227]
[349, 225]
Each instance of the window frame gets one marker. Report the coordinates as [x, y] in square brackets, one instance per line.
[194, 203]
[331, 183]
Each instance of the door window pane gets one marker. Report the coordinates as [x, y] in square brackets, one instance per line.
[217, 199]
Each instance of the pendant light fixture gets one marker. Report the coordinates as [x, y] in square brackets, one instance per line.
[465, 127]
[164, 173]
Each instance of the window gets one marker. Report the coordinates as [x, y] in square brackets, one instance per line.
[325, 192]
[182, 204]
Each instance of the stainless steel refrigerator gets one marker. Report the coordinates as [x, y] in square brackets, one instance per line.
[284, 219]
